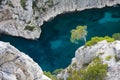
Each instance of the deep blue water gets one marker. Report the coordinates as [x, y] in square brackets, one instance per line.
[53, 49]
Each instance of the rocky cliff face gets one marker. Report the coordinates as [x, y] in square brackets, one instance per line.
[15, 65]
[84, 55]
[103, 50]
[24, 17]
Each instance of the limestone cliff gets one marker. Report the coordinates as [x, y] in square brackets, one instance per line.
[84, 55]
[15, 65]
[24, 17]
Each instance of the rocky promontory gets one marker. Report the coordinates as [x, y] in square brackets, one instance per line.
[109, 53]
[15, 65]
[25, 17]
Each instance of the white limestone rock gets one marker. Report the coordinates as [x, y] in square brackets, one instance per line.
[14, 17]
[85, 55]
[102, 49]
[15, 65]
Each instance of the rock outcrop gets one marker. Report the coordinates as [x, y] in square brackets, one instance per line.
[85, 55]
[103, 50]
[24, 17]
[15, 65]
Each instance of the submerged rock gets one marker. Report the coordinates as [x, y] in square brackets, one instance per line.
[15, 65]
[24, 17]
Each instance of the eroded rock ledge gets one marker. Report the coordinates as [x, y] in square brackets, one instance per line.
[25, 18]
[15, 65]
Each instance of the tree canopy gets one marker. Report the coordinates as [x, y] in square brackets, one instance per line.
[79, 33]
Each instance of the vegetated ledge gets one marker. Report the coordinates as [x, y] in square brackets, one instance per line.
[15, 16]
[107, 52]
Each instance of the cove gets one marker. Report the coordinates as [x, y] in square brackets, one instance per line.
[53, 49]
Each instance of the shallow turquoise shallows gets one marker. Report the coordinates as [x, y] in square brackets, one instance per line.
[53, 49]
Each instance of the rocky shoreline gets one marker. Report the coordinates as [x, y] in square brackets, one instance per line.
[25, 18]
[85, 55]
[15, 65]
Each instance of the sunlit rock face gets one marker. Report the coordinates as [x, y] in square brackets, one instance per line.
[61, 6]
[85, 55]
[102, 49]
[15, 65]
[18, 16]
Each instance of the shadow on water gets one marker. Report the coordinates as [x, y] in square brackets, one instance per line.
[53, 49]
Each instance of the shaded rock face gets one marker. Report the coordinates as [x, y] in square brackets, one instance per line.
[15, 65]
[35, 12]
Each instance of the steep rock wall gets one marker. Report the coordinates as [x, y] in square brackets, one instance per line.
[15, 65]
[24, 17]
[85, 55]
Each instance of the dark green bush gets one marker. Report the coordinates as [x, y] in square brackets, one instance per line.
[50, 3]
[22, 2]
[95, 71]
[34, 5]
[10, 4]
[50, 75]
[37, 17]
[95, 40]
[57, 71]
[116, 58]
[101, 53]
[30, 28]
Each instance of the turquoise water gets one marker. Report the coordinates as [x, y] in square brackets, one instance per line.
[53, 49]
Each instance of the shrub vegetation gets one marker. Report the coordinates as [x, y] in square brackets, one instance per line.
[95, 71]
[50, 75]
[95, 40]
[22, 2]
[116, 36]
[116, 58]
[30, 28]
[108, 57]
